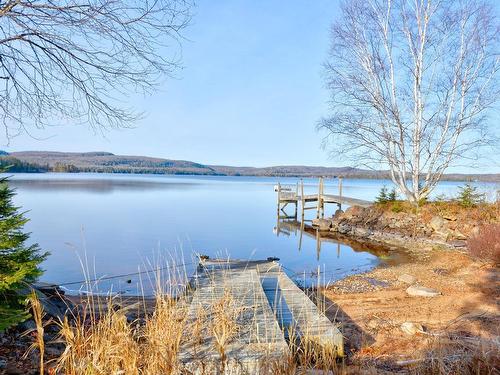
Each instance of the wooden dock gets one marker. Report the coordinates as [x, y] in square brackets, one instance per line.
[270, 312]
[295, 195]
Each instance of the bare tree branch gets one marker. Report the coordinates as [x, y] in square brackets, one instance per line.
[70, 61]
[412, 83]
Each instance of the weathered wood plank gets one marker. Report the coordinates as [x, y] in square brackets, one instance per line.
[271, 306]
[296, 312]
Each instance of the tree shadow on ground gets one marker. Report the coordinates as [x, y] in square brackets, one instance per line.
[482, 312]
[470, 343]
[355, 338]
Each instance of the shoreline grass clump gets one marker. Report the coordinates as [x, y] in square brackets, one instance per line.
[224, 313]
[108, 342]
[485, 244]
[102, 337]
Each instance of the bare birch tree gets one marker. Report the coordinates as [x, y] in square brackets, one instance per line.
[71, 61]
[412, 83]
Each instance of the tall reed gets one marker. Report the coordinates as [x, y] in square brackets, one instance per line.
[39, 343]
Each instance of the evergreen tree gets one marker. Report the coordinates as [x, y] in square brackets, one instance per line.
[19, 263]
[382, 195]
[468, 196]
[393, 195]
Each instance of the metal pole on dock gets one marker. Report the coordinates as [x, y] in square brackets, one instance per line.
[303, 200]
[340, 192]
[322, 200]
[279, 198]
[318, 207]
[296, 199]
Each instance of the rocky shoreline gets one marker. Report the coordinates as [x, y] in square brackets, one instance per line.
[440, 305]
[402, 229]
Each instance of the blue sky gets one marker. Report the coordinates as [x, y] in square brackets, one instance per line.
[250, 92]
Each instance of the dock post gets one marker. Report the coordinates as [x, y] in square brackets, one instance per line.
[322, 200]
[318, 244]
[320, 197]
[296, 200]
[318, 206]
[303, 200]
[279, 200]
[340, 192]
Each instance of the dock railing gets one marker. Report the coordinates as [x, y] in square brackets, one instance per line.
[294, 194]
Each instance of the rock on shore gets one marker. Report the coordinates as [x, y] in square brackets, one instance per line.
[421, 291]
[399, 228]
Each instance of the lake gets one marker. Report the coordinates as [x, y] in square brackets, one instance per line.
[114, 224]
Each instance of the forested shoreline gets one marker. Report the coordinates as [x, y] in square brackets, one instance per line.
[105, 162]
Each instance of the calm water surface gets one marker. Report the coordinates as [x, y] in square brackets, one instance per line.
[122, 224]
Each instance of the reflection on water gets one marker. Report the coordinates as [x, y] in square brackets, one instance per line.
[125, 224]
[289, 226]
[103, 185]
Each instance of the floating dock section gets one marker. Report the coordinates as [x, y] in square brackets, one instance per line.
[269, 311]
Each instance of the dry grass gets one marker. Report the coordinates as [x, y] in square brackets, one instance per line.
[161, 337]
[107, 335]
[103, 344]
[485, 245]
[458, 356]
[39, 343]
[482, 213]
[105, 341]
[224, 323]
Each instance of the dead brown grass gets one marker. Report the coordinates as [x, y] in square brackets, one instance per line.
[458, 356]
[224, 326]
[485, 244]
[458, 339]
[39, 343]
[106, 342]
[481, 213]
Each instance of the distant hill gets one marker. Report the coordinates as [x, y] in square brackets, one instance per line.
[298, 171]
[106, 162]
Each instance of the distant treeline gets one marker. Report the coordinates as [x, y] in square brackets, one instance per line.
[10, 164]
[14, 165]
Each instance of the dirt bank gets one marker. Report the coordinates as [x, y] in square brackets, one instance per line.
[373, 306]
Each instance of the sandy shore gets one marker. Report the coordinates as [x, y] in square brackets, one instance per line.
[373, 306]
